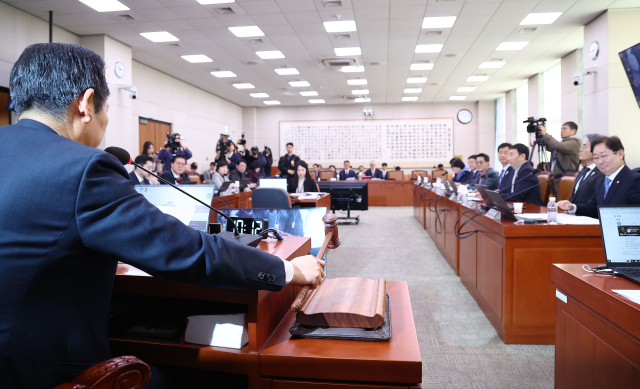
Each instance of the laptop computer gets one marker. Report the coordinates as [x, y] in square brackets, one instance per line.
[620, 227]
[274, 183]
[504, 209]
[452, 186]
[244, 183]
[223, 188]
[482, 189]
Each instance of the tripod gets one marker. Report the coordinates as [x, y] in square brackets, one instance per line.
[542, 157]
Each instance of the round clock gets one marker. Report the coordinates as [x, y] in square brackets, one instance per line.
[594, 50]
[464, 116]
[119, 68]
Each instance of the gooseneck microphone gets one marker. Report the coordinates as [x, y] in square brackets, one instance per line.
[554, 177]
[534, 171]
[125, 159]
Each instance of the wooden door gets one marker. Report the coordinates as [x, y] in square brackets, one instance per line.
[153, 131]
[5, 116]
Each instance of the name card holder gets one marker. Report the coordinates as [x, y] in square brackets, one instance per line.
[494, 214]
[452, 197]
[472, 204]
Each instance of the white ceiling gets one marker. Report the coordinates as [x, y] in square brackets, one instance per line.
[388, 32]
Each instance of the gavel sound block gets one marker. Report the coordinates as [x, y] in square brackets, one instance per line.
[341, 302]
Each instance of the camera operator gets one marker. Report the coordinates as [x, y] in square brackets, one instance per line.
[172, 148]
[241, 148]
[287, 163]
[229, 155]
[255, 155]
[566, 152]
[268, 156]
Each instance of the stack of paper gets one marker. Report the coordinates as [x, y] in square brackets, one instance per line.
[631, 294]
[563, 218]
[217, 330]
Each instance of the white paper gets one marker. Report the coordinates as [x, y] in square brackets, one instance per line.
[184, 214]
[563, 218]
[631, 294]
[217, 330]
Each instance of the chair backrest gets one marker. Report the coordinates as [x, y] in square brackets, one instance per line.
[416, 173]
[545, 188]
[270, 198]
[327, 175]
[113, 373]
[195, 178]
[396, 174]
[566, 186]
[439, 173]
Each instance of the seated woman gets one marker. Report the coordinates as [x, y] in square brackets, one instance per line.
[463, 175]
[221, 176]
[302, 181]
[254, 173]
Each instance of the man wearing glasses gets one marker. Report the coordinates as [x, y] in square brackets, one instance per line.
[486, 175]
[619, 186]
[176, 175]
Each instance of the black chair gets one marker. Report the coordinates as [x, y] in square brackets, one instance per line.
[270, 198]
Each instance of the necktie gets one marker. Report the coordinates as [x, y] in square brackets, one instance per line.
[582, 175]
[607, 182]
[501, 175]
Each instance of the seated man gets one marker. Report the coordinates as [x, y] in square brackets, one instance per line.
[619, 186]
[240, 173]
[317, 169]
[384, 174]
[347, 172]
[372, 171]
[471, 161]
[522, 185]
[208, 175]
[584, 185]
[139, 176]
[486, 175]
[176, 174]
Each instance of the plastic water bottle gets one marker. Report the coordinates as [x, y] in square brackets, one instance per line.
[552, 211]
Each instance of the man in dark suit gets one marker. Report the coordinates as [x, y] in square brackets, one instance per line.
[139, 176]
[584, 185]
[64, 233]
[384, 174]
[473, 168]
[372, 171]
[521, 184]
[176, 174]
[287, 163]
[486, 175]
[618, 186]
[347, 172]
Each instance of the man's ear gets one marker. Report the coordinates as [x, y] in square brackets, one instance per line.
[86, 108]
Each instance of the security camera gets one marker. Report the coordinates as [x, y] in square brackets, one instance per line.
[130, 88]
[367, 112]
[579, 74]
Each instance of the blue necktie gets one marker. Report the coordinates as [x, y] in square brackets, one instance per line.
[607, 182]
[501, 175]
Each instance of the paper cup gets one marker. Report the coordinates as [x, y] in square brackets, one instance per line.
[517, 207]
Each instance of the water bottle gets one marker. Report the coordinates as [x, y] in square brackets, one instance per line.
[552, 211]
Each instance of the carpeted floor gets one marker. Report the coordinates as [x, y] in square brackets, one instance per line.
[459, 347]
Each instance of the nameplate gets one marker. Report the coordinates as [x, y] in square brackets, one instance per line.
[493, 214]
[560, 296]
[452, 197]
[471, 204]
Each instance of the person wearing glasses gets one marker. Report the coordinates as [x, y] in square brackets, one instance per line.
[176, 174]
[584, 185]
[619, 186]
[486, 175]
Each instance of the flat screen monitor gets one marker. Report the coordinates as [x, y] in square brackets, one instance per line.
[274, 183]
[347, 195]
[631, 63]
[620, 227]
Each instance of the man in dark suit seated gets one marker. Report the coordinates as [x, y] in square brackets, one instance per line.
[347, 172]
[384, 174]
[64, 233]
[522, 186]
[176, 174]
[584, 185]
[486, 175]
[372, 171]
[618, 186]
[139, 176]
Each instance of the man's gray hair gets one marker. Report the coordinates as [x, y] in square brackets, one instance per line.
[592, 137]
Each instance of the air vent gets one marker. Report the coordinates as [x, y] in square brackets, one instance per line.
[528, 30]
[445, 1]
[174, 45]
[126, 17]
[374, 63]
[350, 97]
[255, 41]
[332, 3]
[496, 60]
[424, 61]
[434, 32]
[336, 64]
[225, 11]
[342, 36]
[252, 63]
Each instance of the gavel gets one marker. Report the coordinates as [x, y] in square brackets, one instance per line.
[331, 241]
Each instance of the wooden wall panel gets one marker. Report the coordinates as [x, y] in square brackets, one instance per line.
[5, 116]
[489, 273]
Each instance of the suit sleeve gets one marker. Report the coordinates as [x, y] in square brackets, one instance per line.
[115, 220]
[281, 165]
[591, 207]
[187, 153]
[521, 186]
[492, 180]
[571, 146]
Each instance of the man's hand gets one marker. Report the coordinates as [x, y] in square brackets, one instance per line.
[565, 205]
[308, 270]
[290, 171]
[543, 130]
[293, 163]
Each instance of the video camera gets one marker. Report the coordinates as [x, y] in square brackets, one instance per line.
[532, 127]
[221, 146]
[171, 142]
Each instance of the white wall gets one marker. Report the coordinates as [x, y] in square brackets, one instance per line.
[571, 111]
[596, 91]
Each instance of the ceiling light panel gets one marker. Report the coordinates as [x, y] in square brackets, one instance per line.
[508, 46]
[244, 86]
[477, 78]
[309, 93]
[492, 65]
[439, 22]
[353, 69]
[224, 74]
[362, 100]
[416, 80]
[466, 89]
[458, 98]
[316, 101]
[205, 2]
[246, 31]
[258, 95]
[410, 98]
[271, 102]
[358, 81]
[412, 90]
[433, 48]
[160, 36]
[270, 54]
[360, 92]
[105, 5]
[299, 84]
[346, 51]
[340, 26]
[198, 58]
[287, 71]
[540, 18]
[421, 66]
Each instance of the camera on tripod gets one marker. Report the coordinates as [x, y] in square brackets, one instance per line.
[532, 127]
[171, 142]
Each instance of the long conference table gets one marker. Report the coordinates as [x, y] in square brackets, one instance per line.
[505, 266]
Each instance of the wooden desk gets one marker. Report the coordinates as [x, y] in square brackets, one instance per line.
[234, 200]
[420, 205]
[287, 362]
[597, 332]
[323, 201]
[389, 193]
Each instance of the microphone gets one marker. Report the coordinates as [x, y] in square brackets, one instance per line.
[554, 177]
[124, 158]
[534, 171]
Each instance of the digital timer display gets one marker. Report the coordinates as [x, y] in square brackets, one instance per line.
[249, 226]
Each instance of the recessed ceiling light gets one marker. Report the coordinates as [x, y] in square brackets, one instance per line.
[270, 54]
[466, 89]
[410, 98]
[353, 69]
[505, 46]
[271, 102]
[316, 101]
[434, 48]
[309, 93]
[412, 90]
[246, 31]
[492, 65]
[160, 36]
[205, 2]
[340, 26]
[439, 22]
[298, 84]
[416, 80]
[287, 71]
[477, 78]
[458, 98]
[345, 51]
[105, 5]
[360, 92]
[421, 66]
[258, 95]
[362, 100]
[224, 74]
[357, 81]
[540, 18]
[244, 86]
[198, 58]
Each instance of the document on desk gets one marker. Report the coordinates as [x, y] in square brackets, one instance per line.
[227, 331]
[563, 218]
[631, 294]
[184, 214]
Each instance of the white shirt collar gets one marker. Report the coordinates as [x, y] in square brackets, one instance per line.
[140, 179]
[174, 174]
[591, 167]
[614, 174]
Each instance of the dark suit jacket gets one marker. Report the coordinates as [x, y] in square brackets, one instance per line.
[285, 166]
[384, 175]
[343, 175]
[489, 178]
[505, 185]
[135, 181]
[526, 181]
[464, 178]
[237, 176]
[586, 188]
[62, 237]
[309, 185]
[624, 190]
[377, 174]
[169, 177]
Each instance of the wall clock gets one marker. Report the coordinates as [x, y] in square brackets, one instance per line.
[465, 116]
[119, 68]
[594, 50]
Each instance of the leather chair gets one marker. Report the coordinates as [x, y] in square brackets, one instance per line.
[121, 372]
[270, 198]
[438, 173]
[396, 175]
[545, 189]
[327, 175]
[566, 186]
[416, 173]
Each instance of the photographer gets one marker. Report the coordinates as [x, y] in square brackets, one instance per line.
[268, 156]
[173, 147]
[227, 152]
[565, 153]
[254, 155]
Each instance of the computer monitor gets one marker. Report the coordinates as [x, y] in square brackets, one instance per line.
[631, 62]
[179, 205]
[347, 196]
[274, 183]
[620, 227]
